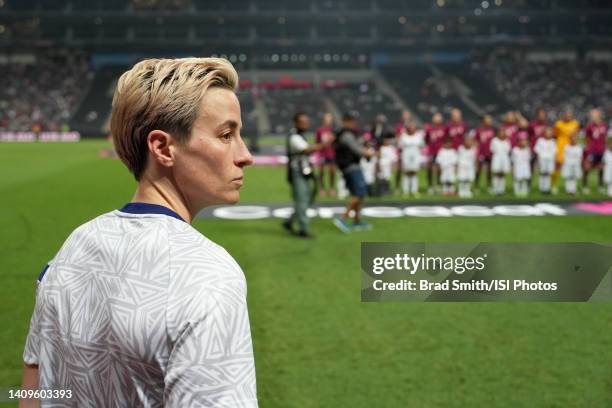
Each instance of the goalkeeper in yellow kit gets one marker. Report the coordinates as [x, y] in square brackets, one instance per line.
[563, 130]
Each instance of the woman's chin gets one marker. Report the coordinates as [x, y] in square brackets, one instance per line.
[232, 198]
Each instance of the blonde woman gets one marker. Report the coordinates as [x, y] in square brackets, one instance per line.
[138, 308]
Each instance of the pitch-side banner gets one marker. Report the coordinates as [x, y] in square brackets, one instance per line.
[486, 272]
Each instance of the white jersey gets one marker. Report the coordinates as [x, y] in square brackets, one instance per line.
[368, 168]
[545, 148]
[572, 161]
[572, 154]
[521, 163]
[139, 309]
[388, 156]
[466, 163]
[500, 160]
[411, 146]
[607, 168]
[447, 160]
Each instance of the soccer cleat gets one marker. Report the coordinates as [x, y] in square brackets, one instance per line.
[304, 234]
[288, 226]
[362, 226]
[342, 225]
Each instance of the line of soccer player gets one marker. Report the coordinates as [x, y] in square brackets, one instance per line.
[456, 158]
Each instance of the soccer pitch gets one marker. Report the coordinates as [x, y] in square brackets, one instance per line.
[315, 343]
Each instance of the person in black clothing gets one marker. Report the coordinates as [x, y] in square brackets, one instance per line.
[348, 155]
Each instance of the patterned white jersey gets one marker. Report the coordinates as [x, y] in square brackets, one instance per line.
[139, 309]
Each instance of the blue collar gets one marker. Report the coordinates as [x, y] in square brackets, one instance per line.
[146, 208]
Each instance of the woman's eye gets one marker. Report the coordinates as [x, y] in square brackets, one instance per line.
[227, 137]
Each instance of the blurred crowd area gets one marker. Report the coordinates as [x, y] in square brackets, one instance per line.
[41, 92]
[551, 85]
[60, 89]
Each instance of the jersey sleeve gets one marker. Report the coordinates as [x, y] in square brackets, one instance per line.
[211, 362]
[32, 343]
[30, 353]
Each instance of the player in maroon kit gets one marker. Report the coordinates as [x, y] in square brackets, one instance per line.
[434, 138]
[483, 135]
[405, 120]
[327, 156]
[510, 128]
[537, 129]
[456, 129]
[522, 127]
[595, 147]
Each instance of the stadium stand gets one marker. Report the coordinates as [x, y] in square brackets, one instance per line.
[366, 99]
[92, 116]
[427, 92]
[424, 55]
[552, 84]
[40, 91]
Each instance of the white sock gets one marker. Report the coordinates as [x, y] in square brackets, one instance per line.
[414, 184]
[545, 183]
[406, 184]
[610, 190]
[570, 186]
[501, 180]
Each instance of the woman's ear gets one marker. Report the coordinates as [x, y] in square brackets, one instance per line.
[160, 145]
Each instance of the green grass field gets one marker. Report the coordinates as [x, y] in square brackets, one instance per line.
[316, 344]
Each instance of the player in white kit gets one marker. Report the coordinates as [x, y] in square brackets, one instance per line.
[138, 308]
[572, 164]
[466, 166]
[521, 167]
[368, 167]
[411, 141]
[386, 158]
[607, 168]
[447, 160]
[546, 149]
[500, 162]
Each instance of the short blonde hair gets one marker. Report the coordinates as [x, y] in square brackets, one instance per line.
[162, 94]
